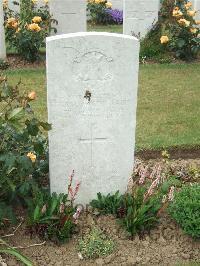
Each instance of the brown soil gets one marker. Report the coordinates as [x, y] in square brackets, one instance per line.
[175, 153]
[15, 62]
[165, 245]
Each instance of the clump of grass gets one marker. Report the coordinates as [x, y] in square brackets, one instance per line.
[95, 244]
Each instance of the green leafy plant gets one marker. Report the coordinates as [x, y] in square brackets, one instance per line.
[141, 212]
[26, 31]
[23, 146]
[3, 64]
[6, 249]
[109, 204]
[53, 216]
[180, 31]
[97, 11]
[150, 194]
[95, 245]
[185, 209]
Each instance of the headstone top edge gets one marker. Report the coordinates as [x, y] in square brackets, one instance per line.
[85, 34]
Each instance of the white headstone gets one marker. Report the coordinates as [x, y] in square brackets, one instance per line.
[70, 14]
[2, 33]
[145, 13]
[92, 83]
[117, 4]
[197, 7]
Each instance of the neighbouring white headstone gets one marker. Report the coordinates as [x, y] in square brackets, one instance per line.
[197, 8]
[2, 33]
[92, 81]
[145, 13]
[70, 14]
[118, 4]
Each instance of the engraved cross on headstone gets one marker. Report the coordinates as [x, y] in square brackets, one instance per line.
[91, 140]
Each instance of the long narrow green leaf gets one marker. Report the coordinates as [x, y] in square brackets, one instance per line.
[15, 253]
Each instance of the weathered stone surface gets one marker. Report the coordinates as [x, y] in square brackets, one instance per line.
[70, 14]
[197, 8]
[2, 33]
[92, 94]
[144, 12]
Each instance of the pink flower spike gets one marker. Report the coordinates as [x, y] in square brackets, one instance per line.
[44, 209]
[77, 213]
[70, 191]
[62, 207]
[71, 177]
[141, 180]
[77, 188]
[164, 199]
[171, 194]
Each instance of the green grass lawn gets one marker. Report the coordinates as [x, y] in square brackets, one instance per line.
[168, 103]
[107, 28]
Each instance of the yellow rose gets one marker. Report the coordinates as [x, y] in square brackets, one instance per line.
[32, 156]
[32, 95]
[193, 30]
[34, 1]
[191, 13]
[188, 5]
[12, 23]
[34, 27]
[5, 4]
[197, 22]
[164, 39]
[184, 22]
[177, 12]
[37, 19]
[108, 4]
[18, 30]
[46, 2]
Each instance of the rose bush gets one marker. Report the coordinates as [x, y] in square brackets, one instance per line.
[23, 146]
[180, 32]
[26, 31]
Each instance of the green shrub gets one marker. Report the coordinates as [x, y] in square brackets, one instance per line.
[185, 209]
[141, 211]
[23, 147]
[95, 245]
[53, 216]
[97, 11]
[26, 31]
[3, 64]
[109, 204]
[150, 46]
[180, 31]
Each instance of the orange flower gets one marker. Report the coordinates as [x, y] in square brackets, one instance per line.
[191, 13]
[188, 5]
[32, 156]
[12, 23]
[34, 27]
[193, 30]
[184, 22]
[164, 39]
[37, 19]
[32, 95]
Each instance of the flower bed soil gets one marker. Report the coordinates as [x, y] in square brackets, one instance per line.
[15, 62]
[164, 245]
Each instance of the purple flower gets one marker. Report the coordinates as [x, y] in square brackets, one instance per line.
[116, 15]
